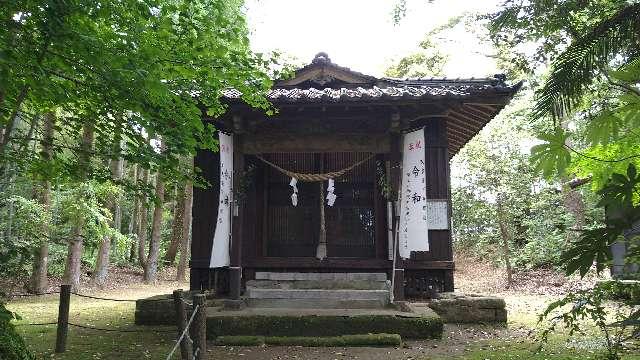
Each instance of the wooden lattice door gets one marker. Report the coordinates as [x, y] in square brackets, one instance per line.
[350, 224]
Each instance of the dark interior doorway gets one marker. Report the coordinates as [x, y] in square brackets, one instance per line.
[350, 224]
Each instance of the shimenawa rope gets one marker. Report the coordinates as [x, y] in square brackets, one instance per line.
[315, 177]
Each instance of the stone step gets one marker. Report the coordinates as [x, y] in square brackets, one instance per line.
[262, 275]
[320, 284]
[316, 304]
[257, 293]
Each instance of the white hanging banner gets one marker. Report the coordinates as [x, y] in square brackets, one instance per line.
[413, 198]
[222, 236]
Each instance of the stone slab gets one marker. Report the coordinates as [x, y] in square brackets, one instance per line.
[469, 308]
[322, 322]
[320, 284]
[263, 275]
[316, 304]
[256, 293]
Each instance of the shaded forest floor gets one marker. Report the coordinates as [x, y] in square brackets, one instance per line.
[516, 341]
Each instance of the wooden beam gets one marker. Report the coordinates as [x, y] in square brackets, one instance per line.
[462, 130]
[337, 263]
[459, 129]
[489, 112]
[321, 143]
[474, 115]
[466, 118]
[490, 108]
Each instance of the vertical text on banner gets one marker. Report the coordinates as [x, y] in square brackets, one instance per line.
[222, 236]
[414, 232]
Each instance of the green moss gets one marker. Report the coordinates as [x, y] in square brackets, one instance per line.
[311, 341]
[409, 327]
[336, 341]
[244, 340]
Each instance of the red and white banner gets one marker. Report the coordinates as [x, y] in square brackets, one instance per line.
[414, 229]
[222, 236]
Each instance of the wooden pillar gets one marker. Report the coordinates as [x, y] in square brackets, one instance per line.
[395, 160]
[438, 187]
[205, 213]
[235, 269]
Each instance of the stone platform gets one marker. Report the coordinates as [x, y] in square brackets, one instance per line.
[318, 290]
[323, 322]
[327, 304]
[467, 308]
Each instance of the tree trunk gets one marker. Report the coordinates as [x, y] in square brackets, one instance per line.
[186, 230]
[117, 169]
[143, 223]
[176, 226]
[133, 221]
[574, 203]
[151, 268]
[8, 129]
[572, 199]
[506, 237]
[39, 281]
[99, 276]
[74, 251]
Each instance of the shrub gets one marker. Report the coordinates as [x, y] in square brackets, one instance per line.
[12, 346]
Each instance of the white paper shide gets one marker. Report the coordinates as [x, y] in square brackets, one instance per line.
[222, 236]
[294, 196]
[331, 197]
[413, 231]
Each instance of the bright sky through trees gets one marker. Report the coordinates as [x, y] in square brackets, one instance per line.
[360, 34]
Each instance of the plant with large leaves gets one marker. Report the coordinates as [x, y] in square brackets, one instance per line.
[610, 122]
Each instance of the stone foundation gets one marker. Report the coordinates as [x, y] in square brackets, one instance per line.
[468, 308]
[160, 310]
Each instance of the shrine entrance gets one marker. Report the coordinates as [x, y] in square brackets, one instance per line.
[350, 225]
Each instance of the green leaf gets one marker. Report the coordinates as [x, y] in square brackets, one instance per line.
[603, 128]
[551, 157]
[629, 73]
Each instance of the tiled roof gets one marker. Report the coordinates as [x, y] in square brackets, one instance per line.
[324, 81]
[396, 90]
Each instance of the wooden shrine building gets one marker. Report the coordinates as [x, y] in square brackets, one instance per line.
[335, 123]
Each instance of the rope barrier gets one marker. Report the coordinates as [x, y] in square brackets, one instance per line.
[316, 177]
[107, 299]
[32, 295]
[118, 330]
[186, 329]
[97, 328]
[85, 296]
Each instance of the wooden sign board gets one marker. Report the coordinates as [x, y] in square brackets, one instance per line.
[437, 214]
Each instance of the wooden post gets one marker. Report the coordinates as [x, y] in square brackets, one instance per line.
[200, 327]
[181, 316]
[321, 250]
[235, 268]
[395, 160]
[63, 318]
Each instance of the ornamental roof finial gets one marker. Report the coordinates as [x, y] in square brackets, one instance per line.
[321, 58]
